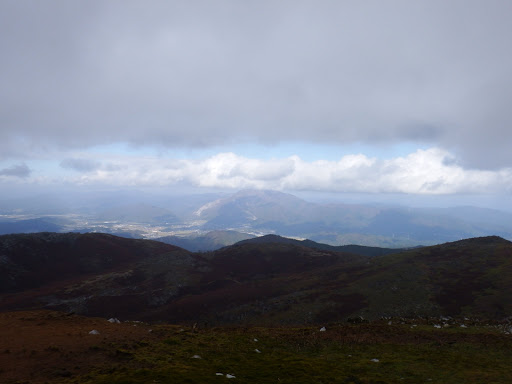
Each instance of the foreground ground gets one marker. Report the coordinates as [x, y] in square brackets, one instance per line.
[53, 347]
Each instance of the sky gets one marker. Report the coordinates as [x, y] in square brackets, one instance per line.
[351, 97]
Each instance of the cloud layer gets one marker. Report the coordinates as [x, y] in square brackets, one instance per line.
[431, 171]
[201, 73]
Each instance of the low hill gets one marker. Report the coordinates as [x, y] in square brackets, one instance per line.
[33, 260]
[470, 277]
[90, 273]
[260, 283]
[356, 249]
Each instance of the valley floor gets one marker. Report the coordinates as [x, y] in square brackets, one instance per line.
[53, 347]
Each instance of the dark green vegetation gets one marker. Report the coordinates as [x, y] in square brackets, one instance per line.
[464, 278]
[340, 355]
[39, 347]
[354, 249]
[253, 310]
[270, 283]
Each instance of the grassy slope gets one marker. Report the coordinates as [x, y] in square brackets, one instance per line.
[466, 278]
[57, 348]
[254, 284]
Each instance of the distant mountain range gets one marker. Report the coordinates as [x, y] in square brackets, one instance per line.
[188, 220]
[264, 281]
[28, 225]
[338, 224]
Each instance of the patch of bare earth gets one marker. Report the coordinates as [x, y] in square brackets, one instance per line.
[47, 346]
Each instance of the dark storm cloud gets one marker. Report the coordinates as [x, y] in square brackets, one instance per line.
[199, 73]
[19, 170]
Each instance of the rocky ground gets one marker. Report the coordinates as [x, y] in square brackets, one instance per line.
[55, 347]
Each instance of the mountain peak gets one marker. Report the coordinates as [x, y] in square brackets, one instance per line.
[484, 240]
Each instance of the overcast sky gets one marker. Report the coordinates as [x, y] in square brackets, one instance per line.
[347, 96]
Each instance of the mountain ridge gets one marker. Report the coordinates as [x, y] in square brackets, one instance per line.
[349, 248]
[264, 283]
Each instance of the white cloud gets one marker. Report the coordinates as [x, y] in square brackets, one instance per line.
[431, 171]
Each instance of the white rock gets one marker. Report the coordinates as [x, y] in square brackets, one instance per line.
[322, 329]
[219, 374]
[437, 326]
[463, 326]
[256, 340]
[230, 376]
[196, 357]
[94, 332]
[113, 320]
[375, 360]
[257, 350]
